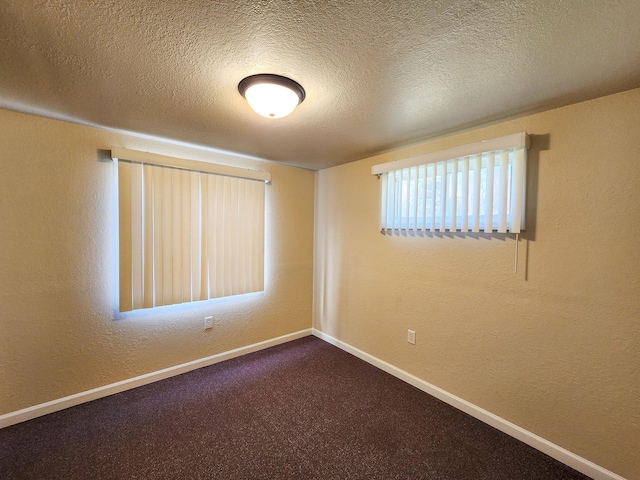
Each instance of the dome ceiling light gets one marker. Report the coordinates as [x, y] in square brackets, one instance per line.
[271, 96]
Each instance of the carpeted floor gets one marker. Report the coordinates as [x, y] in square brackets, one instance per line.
[301, 410]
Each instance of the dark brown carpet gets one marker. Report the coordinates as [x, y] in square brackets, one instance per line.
[304, 409]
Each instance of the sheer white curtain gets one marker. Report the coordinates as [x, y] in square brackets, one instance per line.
[187, 235]
[480, 192]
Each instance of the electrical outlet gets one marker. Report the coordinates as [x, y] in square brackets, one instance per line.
[411, 337]
[208, 323]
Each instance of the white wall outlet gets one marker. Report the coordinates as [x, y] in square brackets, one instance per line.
[411, 337]
[208, 323]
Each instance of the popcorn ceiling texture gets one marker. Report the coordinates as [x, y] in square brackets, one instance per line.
[378, 74]
[555, 348]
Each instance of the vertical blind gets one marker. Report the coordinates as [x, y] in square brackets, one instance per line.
[475, 192]
[187, 235]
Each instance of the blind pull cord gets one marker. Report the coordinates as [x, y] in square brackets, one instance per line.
[515, 265]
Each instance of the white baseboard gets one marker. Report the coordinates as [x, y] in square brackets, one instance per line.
[576, 462]
[568, 458]
[82, 397]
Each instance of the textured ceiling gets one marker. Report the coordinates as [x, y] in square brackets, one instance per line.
[378, 74]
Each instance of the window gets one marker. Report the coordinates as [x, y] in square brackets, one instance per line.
[189, 230]
[477, 187]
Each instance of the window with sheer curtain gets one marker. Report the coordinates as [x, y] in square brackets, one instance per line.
[189, 231]
[473, 188]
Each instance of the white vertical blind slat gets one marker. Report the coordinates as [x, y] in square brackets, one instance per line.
[137, 237]
[414, 186]
[477, 178]
[167, 237]
[423, 197]
[158, 266]
[518, 180]
[216, 238]
[391, 193]
[259, 233]
[185, 236]
[204, 237]
[397, 203]
[233, 238]
[464, 200]
[176, 236]
[242, 239]
[222, 234]
[433, 172]
[454, 195]
[488, 193]
[196, 238]
[392, 201]
[404, 191]
[384, 202]
[124, 198]
[442, 167]
[256, 239]
[148, 280]
[503, 186]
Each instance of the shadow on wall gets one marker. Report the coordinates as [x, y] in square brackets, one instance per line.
[538, 143]
[330, 291]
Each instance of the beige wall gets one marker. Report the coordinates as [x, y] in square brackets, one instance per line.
[554, 348]
[60, 330]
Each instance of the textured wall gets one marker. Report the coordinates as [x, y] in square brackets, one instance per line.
[554, 348]
[60, 330]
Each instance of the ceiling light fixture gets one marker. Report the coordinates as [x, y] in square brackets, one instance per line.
[271, 96]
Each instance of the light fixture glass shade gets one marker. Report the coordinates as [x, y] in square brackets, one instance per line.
[271, 96]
